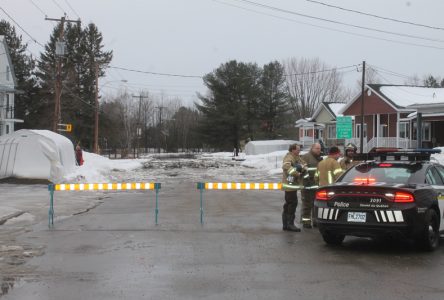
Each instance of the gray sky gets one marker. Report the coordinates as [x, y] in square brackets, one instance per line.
[193, 37]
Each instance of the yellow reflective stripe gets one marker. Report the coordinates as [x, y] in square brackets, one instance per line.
[312, 169]
[330, 177]
[441, 197]
[337, 171]
[292, 187]
[104, 186]
[291, 171]
[242, 186]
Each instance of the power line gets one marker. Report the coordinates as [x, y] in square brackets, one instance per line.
[375, 16]
[156, 73]
[38, 8]
[332, 29]
[337, 22]
[323, 71]
[58, 5]
[69, 5]
[201, 77]
[30, 36]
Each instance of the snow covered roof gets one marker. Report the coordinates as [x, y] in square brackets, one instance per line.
[336, 108]
[332, 107]
[403, 96]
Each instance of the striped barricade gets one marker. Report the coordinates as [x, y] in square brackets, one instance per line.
[233, 186]
[100, 187]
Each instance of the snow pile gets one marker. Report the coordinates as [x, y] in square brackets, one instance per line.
[439, 157]
[96, 168]
[263, 147]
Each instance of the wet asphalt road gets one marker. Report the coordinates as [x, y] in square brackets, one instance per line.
[115, 251]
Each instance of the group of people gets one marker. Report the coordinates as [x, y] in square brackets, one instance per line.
[306, 173]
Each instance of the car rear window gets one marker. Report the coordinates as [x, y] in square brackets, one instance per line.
[392, 174]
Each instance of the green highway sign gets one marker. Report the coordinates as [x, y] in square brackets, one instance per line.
[344, 127]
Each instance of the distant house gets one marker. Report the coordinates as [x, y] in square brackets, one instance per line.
[398, 116]
[321, 125]
[7, 90]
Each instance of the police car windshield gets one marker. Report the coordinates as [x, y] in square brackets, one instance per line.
[387, 173]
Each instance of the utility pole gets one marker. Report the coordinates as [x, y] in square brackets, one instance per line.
[160, 126]
[361, 142]
[96, 119]
[139, 127]
[60, 51]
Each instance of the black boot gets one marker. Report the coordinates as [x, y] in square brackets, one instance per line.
[291, 226]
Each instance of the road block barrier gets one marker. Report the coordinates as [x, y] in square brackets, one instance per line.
[100, 187]
[233, 186]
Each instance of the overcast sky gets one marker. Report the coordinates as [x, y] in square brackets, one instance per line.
[193, 37]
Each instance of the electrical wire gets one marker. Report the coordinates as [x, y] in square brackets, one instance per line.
[16, 23]
[337, 22]
[58, 5]
[332, 29]
[69, 5]
[375, 16]
[38, 8]
[323, 71]
[156, 73]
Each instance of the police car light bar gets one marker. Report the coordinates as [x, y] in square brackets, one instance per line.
[393, 154]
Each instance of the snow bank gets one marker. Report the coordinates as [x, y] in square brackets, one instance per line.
[263, 147]
[96, 168]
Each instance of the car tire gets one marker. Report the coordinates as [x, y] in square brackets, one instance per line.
[428, 239]
[332, 238]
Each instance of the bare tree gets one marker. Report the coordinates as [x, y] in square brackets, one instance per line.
[414, 80]
[309, 83]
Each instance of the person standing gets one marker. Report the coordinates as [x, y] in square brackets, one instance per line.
[348, 160]
[293, 168]
[79, 155]
[312, 158]
[329, 169]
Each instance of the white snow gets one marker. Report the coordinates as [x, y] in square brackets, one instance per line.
[336, 108]
[263, 147]
[408, 95]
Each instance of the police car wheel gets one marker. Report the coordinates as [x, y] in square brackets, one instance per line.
[429, 237]
[332, 238]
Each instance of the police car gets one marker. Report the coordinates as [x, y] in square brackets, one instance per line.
[387, 193]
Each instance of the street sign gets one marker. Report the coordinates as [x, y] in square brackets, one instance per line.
[64, 127]
[344, 127]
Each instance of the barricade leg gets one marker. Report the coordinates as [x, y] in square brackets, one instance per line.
[201, 187]
[51, 206]
[157, 186]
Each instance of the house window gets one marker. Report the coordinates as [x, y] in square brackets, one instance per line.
[331, 131]
[404, 130]
[7, 73]
[358, 130]
[7, 129]
[426, 131]
[308, 132]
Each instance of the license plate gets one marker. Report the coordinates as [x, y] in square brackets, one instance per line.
[359, 217]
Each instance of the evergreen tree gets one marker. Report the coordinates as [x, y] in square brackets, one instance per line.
[229, 110]
[23, 65]
[84, 51]
[273, 100]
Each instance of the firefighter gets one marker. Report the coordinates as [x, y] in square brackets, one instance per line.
[293, 169]
[348, 160]
[312, 159]
[329, 169]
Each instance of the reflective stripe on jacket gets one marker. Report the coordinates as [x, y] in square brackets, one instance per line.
[288, 169]
[329, 170]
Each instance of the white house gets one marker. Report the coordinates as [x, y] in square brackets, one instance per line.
[7, 89]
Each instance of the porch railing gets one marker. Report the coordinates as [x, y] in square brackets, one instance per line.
[384, 142]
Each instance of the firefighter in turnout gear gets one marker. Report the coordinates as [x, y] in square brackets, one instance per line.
[293, 169]
[310, 182]
[329, 169]
[349, 153]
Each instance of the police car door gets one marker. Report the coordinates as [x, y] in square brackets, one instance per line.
[435, 177]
